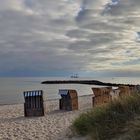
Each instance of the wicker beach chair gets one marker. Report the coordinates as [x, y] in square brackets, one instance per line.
[69, 100]
[33, 105]
[124, 91]
[101, 95]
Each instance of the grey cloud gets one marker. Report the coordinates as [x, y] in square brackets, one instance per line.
[29, 3]
[93, 41]
[78, 33]
[49, 37]
[121, 7]
[100, 25]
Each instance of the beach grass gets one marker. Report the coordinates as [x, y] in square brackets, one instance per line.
[117, 120]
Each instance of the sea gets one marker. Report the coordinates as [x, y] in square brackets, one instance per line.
[12, 88]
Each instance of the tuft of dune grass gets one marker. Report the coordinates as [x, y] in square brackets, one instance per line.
[106, 122]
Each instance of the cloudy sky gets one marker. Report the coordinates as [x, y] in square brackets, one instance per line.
[63, 37]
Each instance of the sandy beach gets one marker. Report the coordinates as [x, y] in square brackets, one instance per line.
[53, 126]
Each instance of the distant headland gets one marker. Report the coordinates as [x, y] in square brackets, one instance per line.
[88, 82]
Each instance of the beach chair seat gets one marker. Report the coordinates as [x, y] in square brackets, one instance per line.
[33, 105]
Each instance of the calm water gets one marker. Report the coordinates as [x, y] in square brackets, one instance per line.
[11, 89]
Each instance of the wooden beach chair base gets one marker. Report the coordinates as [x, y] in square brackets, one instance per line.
[33, 112]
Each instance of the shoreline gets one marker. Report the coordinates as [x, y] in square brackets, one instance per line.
[53, 99]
